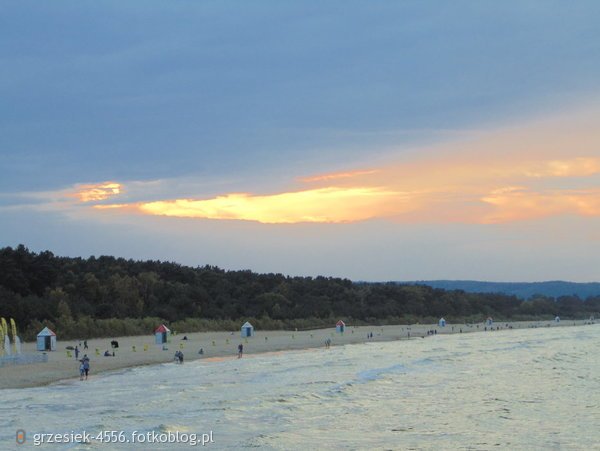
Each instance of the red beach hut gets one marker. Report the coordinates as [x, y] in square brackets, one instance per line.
[162, 333]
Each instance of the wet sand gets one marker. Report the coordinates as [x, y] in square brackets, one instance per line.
[219, 345]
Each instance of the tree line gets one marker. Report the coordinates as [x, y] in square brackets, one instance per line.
[107, 296]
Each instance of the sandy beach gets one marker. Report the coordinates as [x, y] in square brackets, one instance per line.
[141, 350]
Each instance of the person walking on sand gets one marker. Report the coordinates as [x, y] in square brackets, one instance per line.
[240, 351]
[76, 352]
[85, 346]
[81, 370]
[86, 365]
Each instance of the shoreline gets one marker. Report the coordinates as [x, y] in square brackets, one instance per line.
[218, 346]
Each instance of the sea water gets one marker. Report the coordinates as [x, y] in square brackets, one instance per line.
[511, 389]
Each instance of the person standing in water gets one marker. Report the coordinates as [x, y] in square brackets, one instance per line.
[240, 350]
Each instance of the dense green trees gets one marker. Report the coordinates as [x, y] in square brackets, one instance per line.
[109, 296]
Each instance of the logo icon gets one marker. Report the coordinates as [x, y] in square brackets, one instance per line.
[20, 436]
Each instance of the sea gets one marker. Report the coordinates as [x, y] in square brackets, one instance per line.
[530, 389]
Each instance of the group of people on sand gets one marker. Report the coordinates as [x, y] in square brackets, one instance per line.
[78, 347]
[84, 367]
[84, 362]
[178, 357]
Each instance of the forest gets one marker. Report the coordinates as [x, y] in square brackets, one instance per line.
[107, 296]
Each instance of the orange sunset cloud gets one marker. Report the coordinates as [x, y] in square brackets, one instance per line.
[426, 191]
[337, 175]
[96, 192]
[548, 169]
[316, 205]
[515, 203]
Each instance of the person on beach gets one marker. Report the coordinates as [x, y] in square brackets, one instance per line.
[86, 367]
[81, 370]
[240, 351]
[85, 346]
[76, 352]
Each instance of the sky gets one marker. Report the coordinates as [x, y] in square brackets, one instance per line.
[370, 140]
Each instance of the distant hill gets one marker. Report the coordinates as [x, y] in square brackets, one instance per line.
[523, 290]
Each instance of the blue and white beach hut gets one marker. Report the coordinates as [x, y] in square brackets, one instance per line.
[247, 330]
[489, 321]
[46, 340]
[442, 322]
[557, 319]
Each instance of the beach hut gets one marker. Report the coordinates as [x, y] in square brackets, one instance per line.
[340, 326]
[247, 330]
[46, 340]
[489, 321]
[557, 319]
[442, 322]
[161, 334]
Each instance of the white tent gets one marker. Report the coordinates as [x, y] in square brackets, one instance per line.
[247, 330]
[489, 321]
[442, 322]
[46, 340]
[557, 319]
[161, 334]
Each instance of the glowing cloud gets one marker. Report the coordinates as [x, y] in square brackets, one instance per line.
[466, 189]
[516, 203]
[337, 175]
[316, 205]
[576, 167]
[546, 169]
[97, 192]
